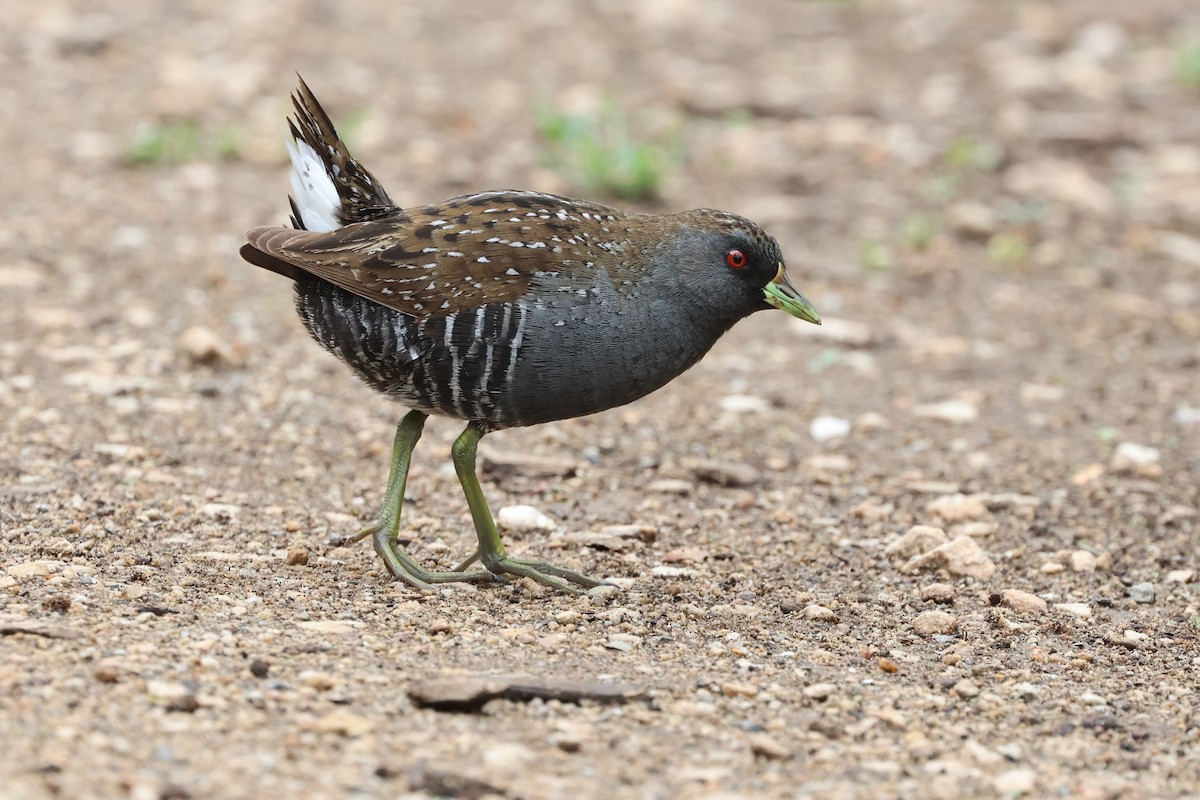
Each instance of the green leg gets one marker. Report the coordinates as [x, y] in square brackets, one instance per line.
[491, 550]
[384, 531]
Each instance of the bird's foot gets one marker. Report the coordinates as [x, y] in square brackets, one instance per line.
[561, 578]
[404, 568]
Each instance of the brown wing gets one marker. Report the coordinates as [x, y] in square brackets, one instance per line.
[466, 252]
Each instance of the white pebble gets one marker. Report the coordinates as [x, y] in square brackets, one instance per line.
[824, 428]
[523, 518]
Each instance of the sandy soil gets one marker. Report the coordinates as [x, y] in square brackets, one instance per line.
[996, 206]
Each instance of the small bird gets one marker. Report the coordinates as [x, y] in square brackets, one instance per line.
[502, 309]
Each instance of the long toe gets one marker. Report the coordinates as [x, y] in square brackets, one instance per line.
[561, 578]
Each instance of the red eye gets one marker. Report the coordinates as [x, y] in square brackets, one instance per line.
[735, 258]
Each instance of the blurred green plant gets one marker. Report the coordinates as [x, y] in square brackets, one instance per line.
[875, 256]
[1187, 62]
[1008, 249]
[918, 230]
[599, 151]
[181, 141]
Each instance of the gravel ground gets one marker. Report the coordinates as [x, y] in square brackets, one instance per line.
[943, 546]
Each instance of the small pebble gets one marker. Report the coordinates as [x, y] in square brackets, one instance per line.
[824, 428]
[765, 746]
[523, 518]
[203, 346]
[957, 507]
[1180, 576]
[726, 473]
[938, 593]
[669, 486]
[1023, 602]
[1083, 561]
[315, 679]
[966, 689]
[927, 623]
[297, 556]
[953, 411]
[1142, 593]
[960, 556]
[917, 540]
[819, 691]
[605, 591]
[1081, 610]
[819, 614]
[260, 668]
[107, 672]
[1139, 459]
[739, 690]
[1015, 782]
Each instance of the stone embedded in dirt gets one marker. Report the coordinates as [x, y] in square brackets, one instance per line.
[830, 463]
[1087, 474]
[204, 346]
[1180, 576]
[469, 693]
[33, 569]
[1023, 602]
[744, 403]
[1036, 394]
[109, 672]
[1052, 568]
[957, 507]
[1186, 415]
[929, 623]
[685, 554]
[972, 220]
[663, 571]
[764, 745]
[222, 512]
[871, 421]
[501, 464]
[938, 593]
[819, 614]
[315, 679]
[260, 668]
[344, 723]
[961, 556]
[297, 556]
[917, 540]
[1144, 593]
[736, 689]
[1081, 610]
[34, 627]
[825, 427]
[173, 695]
[1016, 782]
[1173, 515]
[726, 473]
[966, 689]
[1082, 561]
[523, 518]
[870, 511]
[670, 486]
[953, 411]
[1131, 458]
[604, 592]
[819, 691]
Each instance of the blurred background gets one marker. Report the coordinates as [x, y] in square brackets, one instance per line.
[995, 205]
